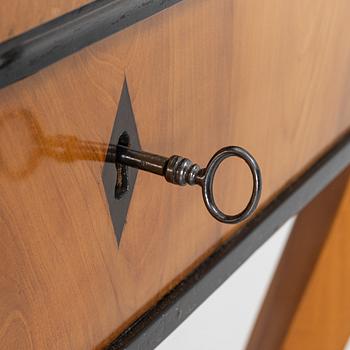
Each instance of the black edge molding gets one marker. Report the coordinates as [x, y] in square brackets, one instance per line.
[36, 49]
[159, 321]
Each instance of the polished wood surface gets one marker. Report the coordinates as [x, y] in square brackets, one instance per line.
[269, 76]
[18, 16]
[322, 320]
[311, 233]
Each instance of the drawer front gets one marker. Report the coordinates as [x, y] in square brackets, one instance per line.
[270, 76]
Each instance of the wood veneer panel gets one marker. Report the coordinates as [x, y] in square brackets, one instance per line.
[322, 319]
[272, 77]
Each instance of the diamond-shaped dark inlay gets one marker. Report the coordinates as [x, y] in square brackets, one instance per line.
[124, 123]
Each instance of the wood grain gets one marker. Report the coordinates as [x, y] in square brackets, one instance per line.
[322, 319]
[269, 76]
[18, 16]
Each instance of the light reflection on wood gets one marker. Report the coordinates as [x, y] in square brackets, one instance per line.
[63, 148]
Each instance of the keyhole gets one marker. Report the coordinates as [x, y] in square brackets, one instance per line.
[122, 181]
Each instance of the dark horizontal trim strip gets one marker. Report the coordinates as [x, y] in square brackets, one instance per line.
[157, 323]
[36, 49]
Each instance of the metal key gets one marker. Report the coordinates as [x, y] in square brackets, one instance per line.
[181, 171]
